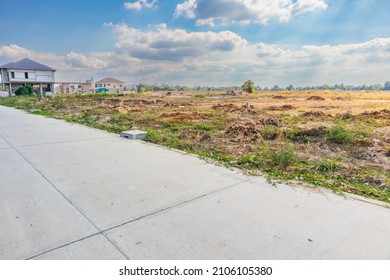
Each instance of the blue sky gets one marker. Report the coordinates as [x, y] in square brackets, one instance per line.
[203, 42]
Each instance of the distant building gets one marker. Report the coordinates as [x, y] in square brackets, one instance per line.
[27, 72]
[87, 87]
[113, 85]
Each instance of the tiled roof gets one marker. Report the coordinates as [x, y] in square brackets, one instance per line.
[109, 81]
[27, 64]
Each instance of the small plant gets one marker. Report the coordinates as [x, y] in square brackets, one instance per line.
[339, 134]
[153, 136]
[205, 127]
[270, 132]
[327, 165]
[284, 158]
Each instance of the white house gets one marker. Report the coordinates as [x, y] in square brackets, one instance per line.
[113, 85]
[27, 72]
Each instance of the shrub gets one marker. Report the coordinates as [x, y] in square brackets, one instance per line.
[24, 90]
[339, 134]
[153, 136]
[284, 158]
[270, 132]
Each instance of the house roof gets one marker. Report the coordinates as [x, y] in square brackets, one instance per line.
[109, 81]
[27, 64]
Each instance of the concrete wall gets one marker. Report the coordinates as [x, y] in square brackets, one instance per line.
[33, 76]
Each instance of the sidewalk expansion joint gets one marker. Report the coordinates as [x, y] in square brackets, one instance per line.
[63, 195]
[175, 205]
[103, 232]
[64, 142]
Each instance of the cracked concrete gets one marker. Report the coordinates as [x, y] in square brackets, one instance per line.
[72, 192]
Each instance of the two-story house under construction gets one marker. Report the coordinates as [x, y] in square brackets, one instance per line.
[27, 72]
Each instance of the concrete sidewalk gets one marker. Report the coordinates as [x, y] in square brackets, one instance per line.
[72, 192]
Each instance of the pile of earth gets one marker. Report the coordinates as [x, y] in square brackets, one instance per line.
[281, 108]
[315, 97]
[231, 108]
[313, 114]
[278, 97]
[244, 131]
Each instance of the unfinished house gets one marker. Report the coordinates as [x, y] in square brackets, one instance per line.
[76, 87]
[27, 72]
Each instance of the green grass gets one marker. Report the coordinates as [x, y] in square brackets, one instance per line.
[270, 132]
[279, 156]
[327, 165]
[339, 134]
[283, 158]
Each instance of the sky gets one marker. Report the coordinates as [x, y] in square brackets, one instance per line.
[202, 42]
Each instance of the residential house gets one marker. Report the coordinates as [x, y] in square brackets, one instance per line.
[27, 72]
[113, 85]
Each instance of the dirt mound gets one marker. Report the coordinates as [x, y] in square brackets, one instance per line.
[271, 121]
[113, 100]
[313, 114]
[231, 108]
[315, 132]
[346, 116]
[176, 104]
[315, 97]
[279, 97]
[244, 131]
[183, 117]
[281, 108]
[384, 114]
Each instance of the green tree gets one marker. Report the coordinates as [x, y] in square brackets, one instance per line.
[387, 85]
[290, 87]
[275, 88]
[25, 90]
[248, 86]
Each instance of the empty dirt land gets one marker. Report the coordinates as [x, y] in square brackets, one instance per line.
[337, 140]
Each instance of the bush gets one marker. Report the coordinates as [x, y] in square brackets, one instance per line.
[284, 158]
[270, 132]
[24, 90]
[339, 135]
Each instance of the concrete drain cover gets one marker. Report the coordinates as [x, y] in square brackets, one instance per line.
[134, 134]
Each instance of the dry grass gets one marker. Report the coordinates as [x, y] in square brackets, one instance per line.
[340, 141]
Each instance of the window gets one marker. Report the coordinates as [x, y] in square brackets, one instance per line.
[13, 75]
[25, 75]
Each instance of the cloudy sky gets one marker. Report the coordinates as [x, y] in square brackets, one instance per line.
[203, 42]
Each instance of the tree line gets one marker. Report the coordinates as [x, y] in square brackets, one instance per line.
[249, 86]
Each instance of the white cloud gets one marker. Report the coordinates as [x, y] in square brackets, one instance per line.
[246, 11]
[138, 5]
[82, 61]
[216, 58]
[173, 44]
